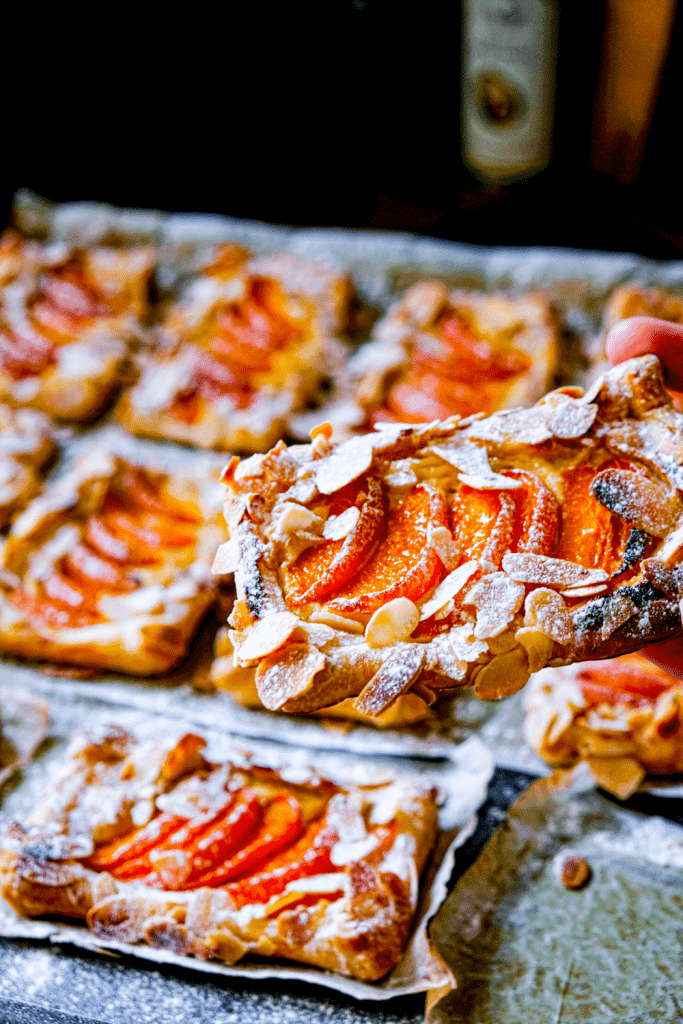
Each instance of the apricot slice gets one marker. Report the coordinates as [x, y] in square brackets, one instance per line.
[323, 569]
[404, 564]
[134, 844]
[590, 534]
[281, 825]
[629, 680]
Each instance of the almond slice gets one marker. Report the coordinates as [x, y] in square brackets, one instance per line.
[392, 623]
[265, 637]
[550, 572]
[641, 501]
[448, 588]
[497, 599]
[503, 675]
[546, 610]
[396, 675]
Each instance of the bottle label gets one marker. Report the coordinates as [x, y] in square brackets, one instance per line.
[509, 60]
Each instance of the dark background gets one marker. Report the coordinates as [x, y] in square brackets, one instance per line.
[342, 118]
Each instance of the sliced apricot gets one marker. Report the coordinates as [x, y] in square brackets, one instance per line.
[88, 568]
[281, 825]
[134, 844]
[404, 564]
[142, 489]
[22, 357]
[536, 514]
[628, 680]
[310, 855]
[323, 569]
[590, 534]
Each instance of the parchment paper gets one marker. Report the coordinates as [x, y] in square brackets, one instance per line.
[525, 950]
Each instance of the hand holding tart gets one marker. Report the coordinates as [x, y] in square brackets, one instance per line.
[462, 552]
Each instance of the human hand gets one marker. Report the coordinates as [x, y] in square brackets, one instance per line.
[637, 336]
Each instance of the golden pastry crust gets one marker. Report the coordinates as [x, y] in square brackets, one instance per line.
[624, 717]
[110, 568]
[436, 353]
[67, 318]
[630, 300]
[26, 446]
[240, 683]
[155, 844]
[246, 347]
[459, 553]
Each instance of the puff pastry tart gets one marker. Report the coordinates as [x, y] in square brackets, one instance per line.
[630, 300]
[26, 445]
[459, 552]
[437, 353]
[246, 347]
[622, 716]
[110, 568]
[67, 317]
[159, 845]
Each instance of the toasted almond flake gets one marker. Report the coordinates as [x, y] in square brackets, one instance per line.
[570, 417]
[618, 610]
[292, 518]
[248, 468]
[672, 548]
[392, 623]
[327, 618]
[570, 592]
[338, 527]
[289, 675]
[423, 302]
[347, 462]
[441, 539]
[503, 676]
[395, 676]
[265, 637]
[448, 588]
[515, 427]
[644, 503]
[538, 646]
[497, 599]
[546, 610]
[473, 461]
[550, 572]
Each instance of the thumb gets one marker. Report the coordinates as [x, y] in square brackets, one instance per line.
[641, 335]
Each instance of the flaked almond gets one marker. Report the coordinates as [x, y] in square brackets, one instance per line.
[569, 417]
[497, 599]
[448, 588]
[292, 518]
[441, 539]
[618, 775]
[473, 462]
[288, 676]
[392, 623]
[338, 527]
[346, 462]
[265, 637]
[644, 503]
[545, 610]
[538, 646]
[503, 676]
[395, 676]
[550, 572]
[328, 618]
[422, 303]
[576, 592]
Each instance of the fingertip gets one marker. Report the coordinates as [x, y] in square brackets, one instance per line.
[643, 335]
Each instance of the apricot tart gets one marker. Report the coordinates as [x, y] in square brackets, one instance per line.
[437, 353]
[465, 552]
[623, 717]
[26, 446]
[110, 568]
[247, 346]
[153, 843]
[67, 318]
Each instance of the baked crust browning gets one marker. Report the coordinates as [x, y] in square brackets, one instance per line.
[67, 319]
[26, 446]
[436, 353]
[531, 537]
[624, 717]
[153, 843]
[110, 568]
[247, 346]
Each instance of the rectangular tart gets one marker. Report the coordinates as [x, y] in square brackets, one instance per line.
[437, 353]
[462, 552]
[246, 346]
[110, 567]
[26, 446]
[150, 842]
[67, 319]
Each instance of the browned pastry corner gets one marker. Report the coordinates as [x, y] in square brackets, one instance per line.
[26, 446]
[623, 717]
[67, 318]
[153, 843]
[463, 552]
[437, 353]
[248, 344]
[110, 567]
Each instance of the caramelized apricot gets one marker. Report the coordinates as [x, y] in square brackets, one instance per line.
[590, 534]
[628, 680]
[323, 569]
[404, 564]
